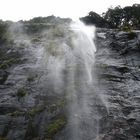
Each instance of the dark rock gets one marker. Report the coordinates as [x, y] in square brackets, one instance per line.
[5, 109]
[3, 76]
[118, 74]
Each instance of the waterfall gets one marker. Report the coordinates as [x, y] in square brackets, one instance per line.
[79, 83]
[69, 56]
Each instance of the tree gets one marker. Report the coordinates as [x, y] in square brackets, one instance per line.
[96, 19]
[114, 16]
[3, 32]
[127, 16]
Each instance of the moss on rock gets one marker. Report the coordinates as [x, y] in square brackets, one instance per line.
[35, 111]
[7, 63]
[2, 138]
[55, 126]
[21, 92]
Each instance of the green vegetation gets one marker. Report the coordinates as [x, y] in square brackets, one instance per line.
[39, 24]
[122, 18]
[96, 19]
[57, 105]
[42, 19]
[15, 113]
[3, 77]
[58, 31]
[21, 92]
[35, 40]
[7, 63]
[3, 32]
[2, 138]
[31, 78]
[60, 102]
[30, 113]
[101, 65]
[52, 48]
[132, 35]
[55, 126]
[33, 28]
[35, 110]
[126, 28]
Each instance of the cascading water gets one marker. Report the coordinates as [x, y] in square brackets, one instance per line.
[79, 89]
[69, 57]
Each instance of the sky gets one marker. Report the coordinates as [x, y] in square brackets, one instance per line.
[26, 9]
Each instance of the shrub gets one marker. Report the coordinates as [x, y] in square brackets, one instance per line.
[3, 32]
[2, 138]
[35, 111]
[132, 35]
[55, 126]
[7, 63]
[126, 28]
[21, 92]
[31, 78]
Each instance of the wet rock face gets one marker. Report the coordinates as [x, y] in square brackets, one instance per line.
[117, 68]
[30, 109]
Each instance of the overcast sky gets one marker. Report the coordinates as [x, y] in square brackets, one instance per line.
[26, 9]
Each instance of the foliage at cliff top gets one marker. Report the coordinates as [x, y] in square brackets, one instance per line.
[3, 31]
[117, 17]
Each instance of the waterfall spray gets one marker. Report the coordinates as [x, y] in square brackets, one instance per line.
[79, 84]
[70, 60]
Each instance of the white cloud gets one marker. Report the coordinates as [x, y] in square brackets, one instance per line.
[26, 9]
